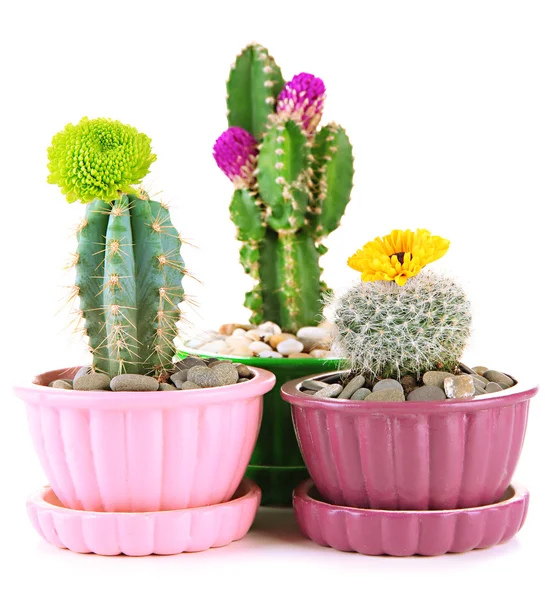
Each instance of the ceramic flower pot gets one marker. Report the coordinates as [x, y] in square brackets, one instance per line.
[276, 463]
[411, 455]
[144, 451]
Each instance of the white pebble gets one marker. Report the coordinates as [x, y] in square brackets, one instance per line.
[194, 344]
[270, 354]
[257, 347]
[270, 327]
[319, 353]
[310, 333]
[216, 346]
[289, 346]
[239, 333]
[238, 342]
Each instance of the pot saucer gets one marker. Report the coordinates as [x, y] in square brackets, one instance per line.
[141, 534]
[404, 532]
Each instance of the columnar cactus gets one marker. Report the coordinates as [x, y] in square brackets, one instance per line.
[292, 184]
[400, 320]
[128, 264]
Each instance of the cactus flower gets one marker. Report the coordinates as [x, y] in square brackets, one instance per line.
[98, 159]
[235, 152]
[398, 256]
[302, 99]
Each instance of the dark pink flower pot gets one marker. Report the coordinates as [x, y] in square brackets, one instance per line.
[411, 455]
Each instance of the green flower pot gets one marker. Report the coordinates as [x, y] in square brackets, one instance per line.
[276, 464]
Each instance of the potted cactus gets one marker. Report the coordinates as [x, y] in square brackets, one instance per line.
[116, 437]
[292, 181]
[408, 428]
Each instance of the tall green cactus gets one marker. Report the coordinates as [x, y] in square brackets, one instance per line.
[292, 185]
[128, 265]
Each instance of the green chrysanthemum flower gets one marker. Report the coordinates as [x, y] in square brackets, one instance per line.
[98, 159]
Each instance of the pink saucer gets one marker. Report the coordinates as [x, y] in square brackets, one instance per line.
[141, 534]
[405, 532]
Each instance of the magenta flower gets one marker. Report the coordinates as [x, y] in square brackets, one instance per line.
[302, 99]
[235, 152]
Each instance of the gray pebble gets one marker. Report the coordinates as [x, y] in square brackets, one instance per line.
[386, 395]
[459, 386]
[436, 378]
[504, 386]
[213, 362]
[309, 392]
[242, 380]
[85, 370]
[498, 377]
[480, 381]
[361, 394]
[387, 384]
[408, 383]
[191, 361]
[203, 377]
[480, 370]
[355, 384]
[166, 387]
[493, 387]
[227, 373]
[479, 390]
[313, 384]
[189, 385]
[427, 393]
[330, 391]
[134, 383]
[179, 377]
[92, 381]
[243, 371]
[61, 384]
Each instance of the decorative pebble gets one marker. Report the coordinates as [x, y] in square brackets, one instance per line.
[480, 370]
[134, 383]
[180, 377]
[289, 347]
[387, 395]
[243, 353]
[320, 353]
[330, 391]
[218, 346]
[166, 387]
[243, 371]
[229, 328]
[314, 337]
[203, 377]
[459, 386]
[313, 384]
[85, 370]
[498, 377]
[493, 387]
[189, 385]
[92, 381]
[239, 333]
[258, 335]
[280, 337]
[61, 384]
[226, 373]
[361, 394]
[238, 342]
[270, 354]
[270, 327]
[504, 386]
[191, 361]
[426, 393]
[218, 361]
[408, 383]
[479, 391]
[355, 384]
[299, 355]
[387, 384]
[258, 347]
[480, 381]
[436, 378]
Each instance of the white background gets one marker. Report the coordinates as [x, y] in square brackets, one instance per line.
[447, 105]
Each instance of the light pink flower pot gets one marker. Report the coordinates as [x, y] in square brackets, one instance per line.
[411, 455]
[144, 451]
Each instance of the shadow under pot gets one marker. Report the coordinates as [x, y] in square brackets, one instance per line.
[410, 455]
[144, 451]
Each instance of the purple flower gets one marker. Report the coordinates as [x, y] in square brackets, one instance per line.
[235, 152]
[302, 99]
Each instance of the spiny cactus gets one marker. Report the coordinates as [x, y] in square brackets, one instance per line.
[292, 185]
[386, 328]
[128, 263]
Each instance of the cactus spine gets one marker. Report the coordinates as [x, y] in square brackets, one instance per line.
[292, 184]
[129, 267]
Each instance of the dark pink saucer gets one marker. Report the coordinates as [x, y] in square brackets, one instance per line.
[406, 532]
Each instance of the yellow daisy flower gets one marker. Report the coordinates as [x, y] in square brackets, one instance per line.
[398, 256]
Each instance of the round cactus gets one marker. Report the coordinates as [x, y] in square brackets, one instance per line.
[98, 159]
[388, 331]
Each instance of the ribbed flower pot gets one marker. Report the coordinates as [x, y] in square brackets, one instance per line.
[411, 455]
[144, 451]
[276, 463]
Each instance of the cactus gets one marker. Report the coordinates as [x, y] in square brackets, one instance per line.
[400, 320]
[292, 183]
[128, 263]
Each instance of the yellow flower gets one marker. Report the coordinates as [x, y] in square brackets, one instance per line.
[397, 256]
